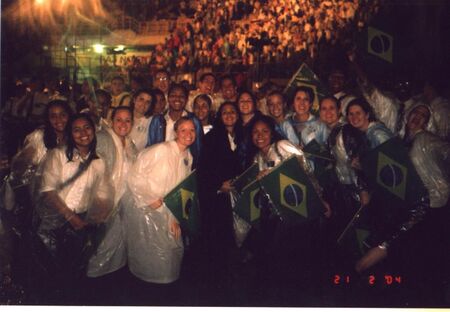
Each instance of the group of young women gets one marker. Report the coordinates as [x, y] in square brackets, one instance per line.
[98, 187]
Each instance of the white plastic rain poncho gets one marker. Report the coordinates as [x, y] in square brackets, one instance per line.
[281, 151]
[25, 163]
[377, 134]
[431, 158]
[70, 186]
[439, 122]
[90, 193]
[154, 255]
[111, 252]
[344, 171]
[312, 129]
[139, 132]
[385, 105]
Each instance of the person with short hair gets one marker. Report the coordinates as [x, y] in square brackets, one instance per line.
[155, 248]
[206, 86]
[162, 126]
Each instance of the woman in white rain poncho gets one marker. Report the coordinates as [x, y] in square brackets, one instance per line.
[155, 248]
[119, 152]
[74, 198]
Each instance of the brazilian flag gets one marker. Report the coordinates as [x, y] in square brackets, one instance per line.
[182, 201]
[292, 193]
[392, 175]
[306, 77]
[246, 178]
[249, 203]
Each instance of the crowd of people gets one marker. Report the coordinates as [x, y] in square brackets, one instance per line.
[83, 198]
[246, 32]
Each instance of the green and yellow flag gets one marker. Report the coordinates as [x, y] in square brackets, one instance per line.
[249, 203]
[292, 193]
[182, 201]
[306, 77]
[247, 177]
[380, 43]
[392, 175]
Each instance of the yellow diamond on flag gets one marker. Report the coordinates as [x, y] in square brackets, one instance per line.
[293, 195]
[391, 175]
[187, 201]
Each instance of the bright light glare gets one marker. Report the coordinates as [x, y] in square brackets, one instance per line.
[119, 48]
[98, 48]
[40, 1]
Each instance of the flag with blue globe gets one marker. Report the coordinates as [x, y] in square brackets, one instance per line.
[395, 187]
[291, 192]
[182, 201]
[249, 203]
[392, 175]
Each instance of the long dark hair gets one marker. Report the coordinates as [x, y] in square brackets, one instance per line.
[271, 124]
[207, 99]
[218, 123]
[364, 106]
[50, 139]
[71, 143]
[149, 112]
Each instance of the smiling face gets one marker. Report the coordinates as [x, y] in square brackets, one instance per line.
[185, 134]
[82, 134]
[228, 90]
[246, 105]
[302, 103]
[261, 136]
[229, 116]
[177, 100]
[142, 103]
[275, 105]
[201, 109]
[58, 118]
[329, 112]
[122, 123]
[358, 118]
[418, 118]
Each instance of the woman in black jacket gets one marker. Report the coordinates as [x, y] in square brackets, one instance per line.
[219, 163]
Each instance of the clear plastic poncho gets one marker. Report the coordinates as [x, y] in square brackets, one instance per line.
[385, 105]
[90, 193]
[139, 132]
[281, 151]
[111, 252]
[431, 158]
[154, 255]
[344, 171]
[377, 134]
[25, 163]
